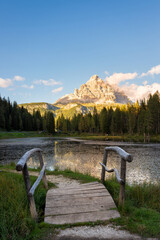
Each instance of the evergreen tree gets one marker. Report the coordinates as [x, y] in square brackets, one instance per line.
[50, 123]
[103, 121]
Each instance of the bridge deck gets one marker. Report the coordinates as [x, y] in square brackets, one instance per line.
[88, 202]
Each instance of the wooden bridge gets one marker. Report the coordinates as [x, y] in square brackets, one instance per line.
[88, 202]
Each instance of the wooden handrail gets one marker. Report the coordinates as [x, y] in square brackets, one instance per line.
[122, 177]
[22, 166]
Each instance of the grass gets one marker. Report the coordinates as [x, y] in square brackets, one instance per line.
[15, 220]
[23, 134]
[141, 211]
[140, 214]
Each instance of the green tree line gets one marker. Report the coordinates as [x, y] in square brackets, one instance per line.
[138, 118]
[13, 117]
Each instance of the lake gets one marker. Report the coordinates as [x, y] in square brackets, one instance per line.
[84, 156]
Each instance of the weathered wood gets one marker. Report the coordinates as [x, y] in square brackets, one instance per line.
[103, 170]
[22, 166]
[81, 186]
[26, 178]
[123, 154]
[78, 201]
[121, 179]
[37, 181]
[29, 196]
[25, 157]
[78, 208]
[32, 207]
[122, 185]
[44, 174]
[82, 217]
[76, 190]
[95, 194]
[113, 170]
[89, 202]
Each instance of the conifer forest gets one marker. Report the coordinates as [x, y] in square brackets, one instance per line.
[134, 118]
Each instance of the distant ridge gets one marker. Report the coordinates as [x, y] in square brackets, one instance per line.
[96, 91]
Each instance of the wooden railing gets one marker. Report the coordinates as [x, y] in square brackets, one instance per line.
[122, 177]
[22, 166]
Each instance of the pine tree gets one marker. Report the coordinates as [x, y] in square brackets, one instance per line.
[50, 123]
[103, 121]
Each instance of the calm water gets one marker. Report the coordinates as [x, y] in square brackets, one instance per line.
[84, 156]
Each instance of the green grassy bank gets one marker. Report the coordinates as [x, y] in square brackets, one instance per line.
[85, 136]
[140, 214]
[16, 134]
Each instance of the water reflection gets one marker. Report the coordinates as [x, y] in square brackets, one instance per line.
[85, 156]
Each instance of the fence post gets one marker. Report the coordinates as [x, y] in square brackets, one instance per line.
[103, 169]
[30, 197]
[41, 165]
[122, 184]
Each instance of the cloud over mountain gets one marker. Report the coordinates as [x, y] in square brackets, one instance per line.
[153, 71]
[132, 90]
[116, 78]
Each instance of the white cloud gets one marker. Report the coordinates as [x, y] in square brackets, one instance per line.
[4, 83]
[107, 73]
[145, 83]
[57, 90]
[18, 78]
[136, 92]
[50, 82]
[152, 71]
[116, 78]
[28, 87]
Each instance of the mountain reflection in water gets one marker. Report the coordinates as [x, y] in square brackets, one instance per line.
[84, 156]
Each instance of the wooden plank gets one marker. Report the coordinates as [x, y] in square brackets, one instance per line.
[76, 201]
[69, 196]
[93, 186]
[79, 208]
[82, 217]
[73, 192]
[85, 184]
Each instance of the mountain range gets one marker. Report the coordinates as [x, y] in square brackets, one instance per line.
[95, 92]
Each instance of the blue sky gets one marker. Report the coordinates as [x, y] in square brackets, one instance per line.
[50, 47]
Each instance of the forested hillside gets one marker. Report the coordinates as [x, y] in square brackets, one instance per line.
[13, 117]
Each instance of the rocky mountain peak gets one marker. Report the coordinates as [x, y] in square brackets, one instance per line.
[95, 90]
[94, 78]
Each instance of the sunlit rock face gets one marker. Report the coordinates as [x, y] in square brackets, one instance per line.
[95, 90]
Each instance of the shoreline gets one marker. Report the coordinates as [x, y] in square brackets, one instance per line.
[129, 139]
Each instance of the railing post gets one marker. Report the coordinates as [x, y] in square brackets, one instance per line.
[32, 207]
[44, 175]
[22, 166]
[26, 178]
[122, 178]
[122, 184]
[103, 169]
[30, 197]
